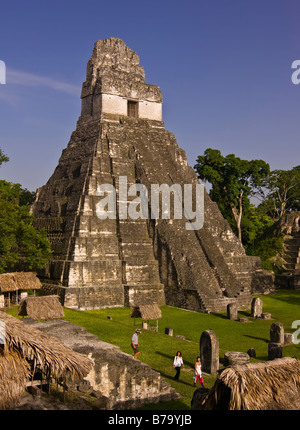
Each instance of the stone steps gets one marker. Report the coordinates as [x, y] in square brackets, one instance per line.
[140, 268]
[220, 305]
[292, 252]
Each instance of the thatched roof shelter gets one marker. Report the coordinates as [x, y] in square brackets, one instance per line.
[41, 308]
[19, 281]
[27, 280]
[270, 385]
[7, 283]
[14, 374]
[146, 312]
[47, 356]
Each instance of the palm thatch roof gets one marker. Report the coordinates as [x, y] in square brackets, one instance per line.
[19, 281]
[146, 312]
[7, 283]
[270, 385]
[44, 353]
[41, 308]
[27, 281]
[47, 350]
[14, 373]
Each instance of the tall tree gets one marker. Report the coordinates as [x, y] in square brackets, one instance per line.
[233, 181]
[22, 246]
[283, 192]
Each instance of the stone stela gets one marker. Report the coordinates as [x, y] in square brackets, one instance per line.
[100, 263]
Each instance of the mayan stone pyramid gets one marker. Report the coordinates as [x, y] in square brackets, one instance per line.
[112, 262]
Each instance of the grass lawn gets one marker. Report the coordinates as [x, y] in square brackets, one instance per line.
[158, 350]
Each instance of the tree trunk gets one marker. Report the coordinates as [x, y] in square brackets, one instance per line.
[238, 215]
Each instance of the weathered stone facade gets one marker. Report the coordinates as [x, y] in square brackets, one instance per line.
[121, 382]
[116, 262]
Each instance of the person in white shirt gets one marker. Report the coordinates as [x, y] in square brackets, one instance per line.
[177, 363]
[135, 343]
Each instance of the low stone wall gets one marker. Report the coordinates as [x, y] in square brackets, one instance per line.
[120, 381]
[289, 280]
[263, 282]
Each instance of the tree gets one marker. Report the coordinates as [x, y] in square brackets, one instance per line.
[233, 182]
[3, 158]
[283, 192]
[22, 246]
[254, 225]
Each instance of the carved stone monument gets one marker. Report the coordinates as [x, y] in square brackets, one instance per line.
[103, 258]
[209, 351]
[232, 311]
[277, 333]
[256, 307]
[274, 350]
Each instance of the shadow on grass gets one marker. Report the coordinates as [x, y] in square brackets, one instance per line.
[292, 299]
[171, 358]
[222, 316]
[257, 338]
[170, 379]
[245, 314]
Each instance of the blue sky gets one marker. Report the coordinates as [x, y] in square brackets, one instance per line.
[224, 69]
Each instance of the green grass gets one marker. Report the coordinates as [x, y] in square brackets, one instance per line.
[158, 350]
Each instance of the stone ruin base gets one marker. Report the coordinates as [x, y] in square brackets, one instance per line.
[117, 381]
[288, 280]
[105, 296]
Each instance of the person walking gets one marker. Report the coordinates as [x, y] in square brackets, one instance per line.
[135, 342]
[177, 363]
[198, 373]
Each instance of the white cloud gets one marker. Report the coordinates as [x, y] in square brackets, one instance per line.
[19, 77]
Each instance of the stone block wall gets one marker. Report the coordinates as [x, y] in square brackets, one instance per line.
[122, 381]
